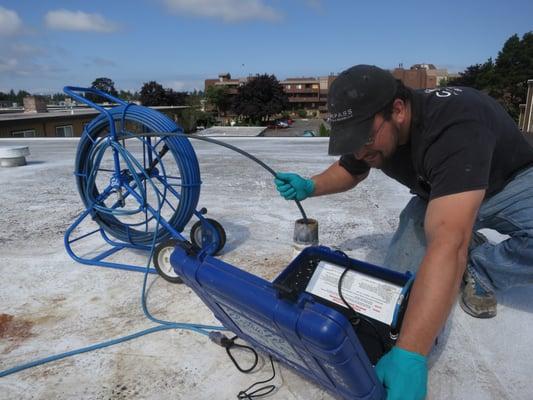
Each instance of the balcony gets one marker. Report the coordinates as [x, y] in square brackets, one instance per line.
[303, 99]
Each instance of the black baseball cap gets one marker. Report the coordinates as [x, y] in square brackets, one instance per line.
[355, 96]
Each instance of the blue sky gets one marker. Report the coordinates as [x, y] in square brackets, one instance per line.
[45, 45]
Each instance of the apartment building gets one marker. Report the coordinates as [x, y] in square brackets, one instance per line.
[308, 94]
[225, 79]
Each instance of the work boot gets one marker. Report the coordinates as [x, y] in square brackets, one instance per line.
[475, 300]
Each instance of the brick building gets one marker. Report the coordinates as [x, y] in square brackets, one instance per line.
[225, 79]
[309, 94]
[421, 76]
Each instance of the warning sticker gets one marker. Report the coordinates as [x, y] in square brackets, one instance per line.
[367, 295]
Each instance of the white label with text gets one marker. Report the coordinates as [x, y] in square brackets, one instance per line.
[367, 295]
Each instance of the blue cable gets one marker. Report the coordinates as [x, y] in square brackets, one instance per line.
[89, 155]
[85, 349]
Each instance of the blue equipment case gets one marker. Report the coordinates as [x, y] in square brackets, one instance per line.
[312, 337]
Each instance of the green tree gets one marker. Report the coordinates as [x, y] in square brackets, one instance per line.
[478, 76]
[175, 98]
[323, 131]
[195, 97]
[506, 78]
[205, 118]
[197, 117]
[260, 98]
[301, 113]
[105, 85]
[13, 97]
[513, 67]
[57, 97]
[128, 96]
[152, 94]
[219, 98]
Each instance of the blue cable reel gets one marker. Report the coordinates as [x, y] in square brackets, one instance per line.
[139, 179]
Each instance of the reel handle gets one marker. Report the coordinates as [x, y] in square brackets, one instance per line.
[72, 92]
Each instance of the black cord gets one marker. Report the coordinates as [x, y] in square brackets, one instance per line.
[233, 344]
[220, 339]
[223, 144]
[358, 316]
[263, 390]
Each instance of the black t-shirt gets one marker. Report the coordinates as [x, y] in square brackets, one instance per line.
[460, 140]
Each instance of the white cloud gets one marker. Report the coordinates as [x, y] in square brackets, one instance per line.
[227, 10]
[9, 65]
[10, 22]
[78, 21]
[21, 60]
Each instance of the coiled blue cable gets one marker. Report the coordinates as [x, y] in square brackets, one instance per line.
[183, 154]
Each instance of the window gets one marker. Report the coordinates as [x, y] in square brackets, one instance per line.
[288, 86]
[64, 131]
[298, 86]
[24, 133]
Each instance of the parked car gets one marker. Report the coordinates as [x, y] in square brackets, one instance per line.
[288, 121]
[278, 125]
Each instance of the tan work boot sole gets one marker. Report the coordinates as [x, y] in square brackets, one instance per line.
[482, 311]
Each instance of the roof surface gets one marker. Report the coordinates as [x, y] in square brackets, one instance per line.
[52, 304]
[232, 131]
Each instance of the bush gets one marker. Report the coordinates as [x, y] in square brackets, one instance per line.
[205, 118]
[302, 113]
[323, 131]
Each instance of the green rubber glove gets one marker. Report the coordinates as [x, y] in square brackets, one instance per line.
[404, 374]
[293, 186]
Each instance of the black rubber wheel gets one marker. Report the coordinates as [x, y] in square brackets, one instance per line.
[197, 235]
[162, 260]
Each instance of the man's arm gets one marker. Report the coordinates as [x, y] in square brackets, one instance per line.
[448, 225]
[335, 179]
